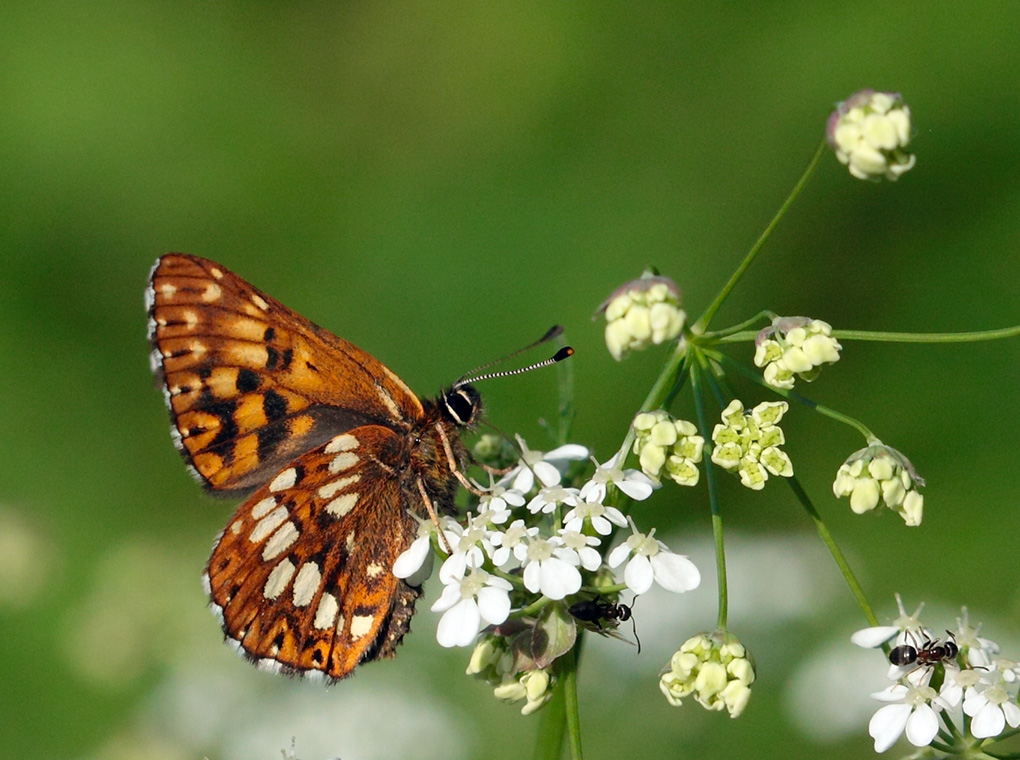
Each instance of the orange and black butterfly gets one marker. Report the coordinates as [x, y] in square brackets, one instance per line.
[337, 453]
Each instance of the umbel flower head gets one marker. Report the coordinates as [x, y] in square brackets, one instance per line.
[870, 132]
[662, 442]
[714, 668]
[795, 346]
[748, 444]
[879, 474]
[642, 313]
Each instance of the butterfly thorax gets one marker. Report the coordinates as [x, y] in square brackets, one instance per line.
[437, 446]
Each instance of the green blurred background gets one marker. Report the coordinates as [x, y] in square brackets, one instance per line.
[439, 184]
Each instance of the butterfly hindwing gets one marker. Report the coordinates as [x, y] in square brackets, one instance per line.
[302, 575]
[251, 384]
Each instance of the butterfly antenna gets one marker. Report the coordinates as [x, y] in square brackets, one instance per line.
[553, 332]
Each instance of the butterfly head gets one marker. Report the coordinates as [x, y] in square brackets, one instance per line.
[462, 405]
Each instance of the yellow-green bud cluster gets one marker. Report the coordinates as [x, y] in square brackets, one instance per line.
[877, 475]
[870, 131]
[493, 661]
[666, 444]
[748, 444]
[713, 668]
[642, 313]
[795, 346]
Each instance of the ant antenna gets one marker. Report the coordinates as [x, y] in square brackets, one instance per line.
[553, 332]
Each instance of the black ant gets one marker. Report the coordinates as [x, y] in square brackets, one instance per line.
[603, 617]
[929, 653]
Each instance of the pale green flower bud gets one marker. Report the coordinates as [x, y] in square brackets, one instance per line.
[662, 442]
[713, 668]
[878, 475]
[642, 313]
[794, 346]
[870, 131]
[533, 686]
[748, 444]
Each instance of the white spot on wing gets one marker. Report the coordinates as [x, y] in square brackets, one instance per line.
[325, 614]
[327, 491]
[341, 505]
[260, 302]
[306, 584]
[167, 290]
[263, 508]
[345, 442]
[343, 462]
[360, 625]
[282, 540]
[374, 570]
[284, 480]
[388, 401]
[278, 579]
[349, 541]
[235, 527]
[211, 293]
[268, 524]
[216, 273]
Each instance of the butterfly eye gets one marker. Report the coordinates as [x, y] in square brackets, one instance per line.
[462, 404]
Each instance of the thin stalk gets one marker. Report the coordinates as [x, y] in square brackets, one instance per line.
[702, 324]
[662, 388]
[568, 678]
[837, 555]
[951, 337]
[713, 498]
[551, 727]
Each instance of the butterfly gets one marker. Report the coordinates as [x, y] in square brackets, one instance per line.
[337, 457]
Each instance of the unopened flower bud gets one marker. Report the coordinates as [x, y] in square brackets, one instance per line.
[879, 474]
[870, 131]
[642, 313]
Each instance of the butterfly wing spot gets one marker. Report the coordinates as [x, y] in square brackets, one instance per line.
[281, 541]
[235, 527]
[349, 542]
[360, 625]
[212, 293]
[388, 401]
[374, 570]
[286, 479]
[329, 490]
[268, 524]
[342, 505]
[216, 272]
[345, 442]
[264, 507]
[278, 579]
[306, 584]
[326, 612]
[342, 462]
[259, 301]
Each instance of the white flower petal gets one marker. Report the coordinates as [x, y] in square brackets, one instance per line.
[546, 473]
[493, 605]
[674, 572]
[459, 625]
[869, 638]
[568, 452]
[988, 722]
[887, 724]
[559, 578]
[636, 489]
[922, 726]
[618, 555]
[412, 559]
[450, 596]
[533, 577]
[638, 574]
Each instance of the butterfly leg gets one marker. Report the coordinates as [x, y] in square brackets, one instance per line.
[454, 468]
[432, 514]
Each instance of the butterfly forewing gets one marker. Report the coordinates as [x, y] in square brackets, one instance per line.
[302, 574]
[251, 384]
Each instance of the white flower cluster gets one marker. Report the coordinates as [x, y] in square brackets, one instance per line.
[535, 537]
[714, 668]
[748, 444]
[795, 346]
[870, 132]
[642, 313]
[877, 475]
[663, 442]
[939, 680]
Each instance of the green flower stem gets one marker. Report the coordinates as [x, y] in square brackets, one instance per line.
[837, 555]
[713, 495]
[665, 385]
[552, 726]
[792, 396]
[729, 335]
[733, 335]
[702, 324]
[568, 680]
[952, 337]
